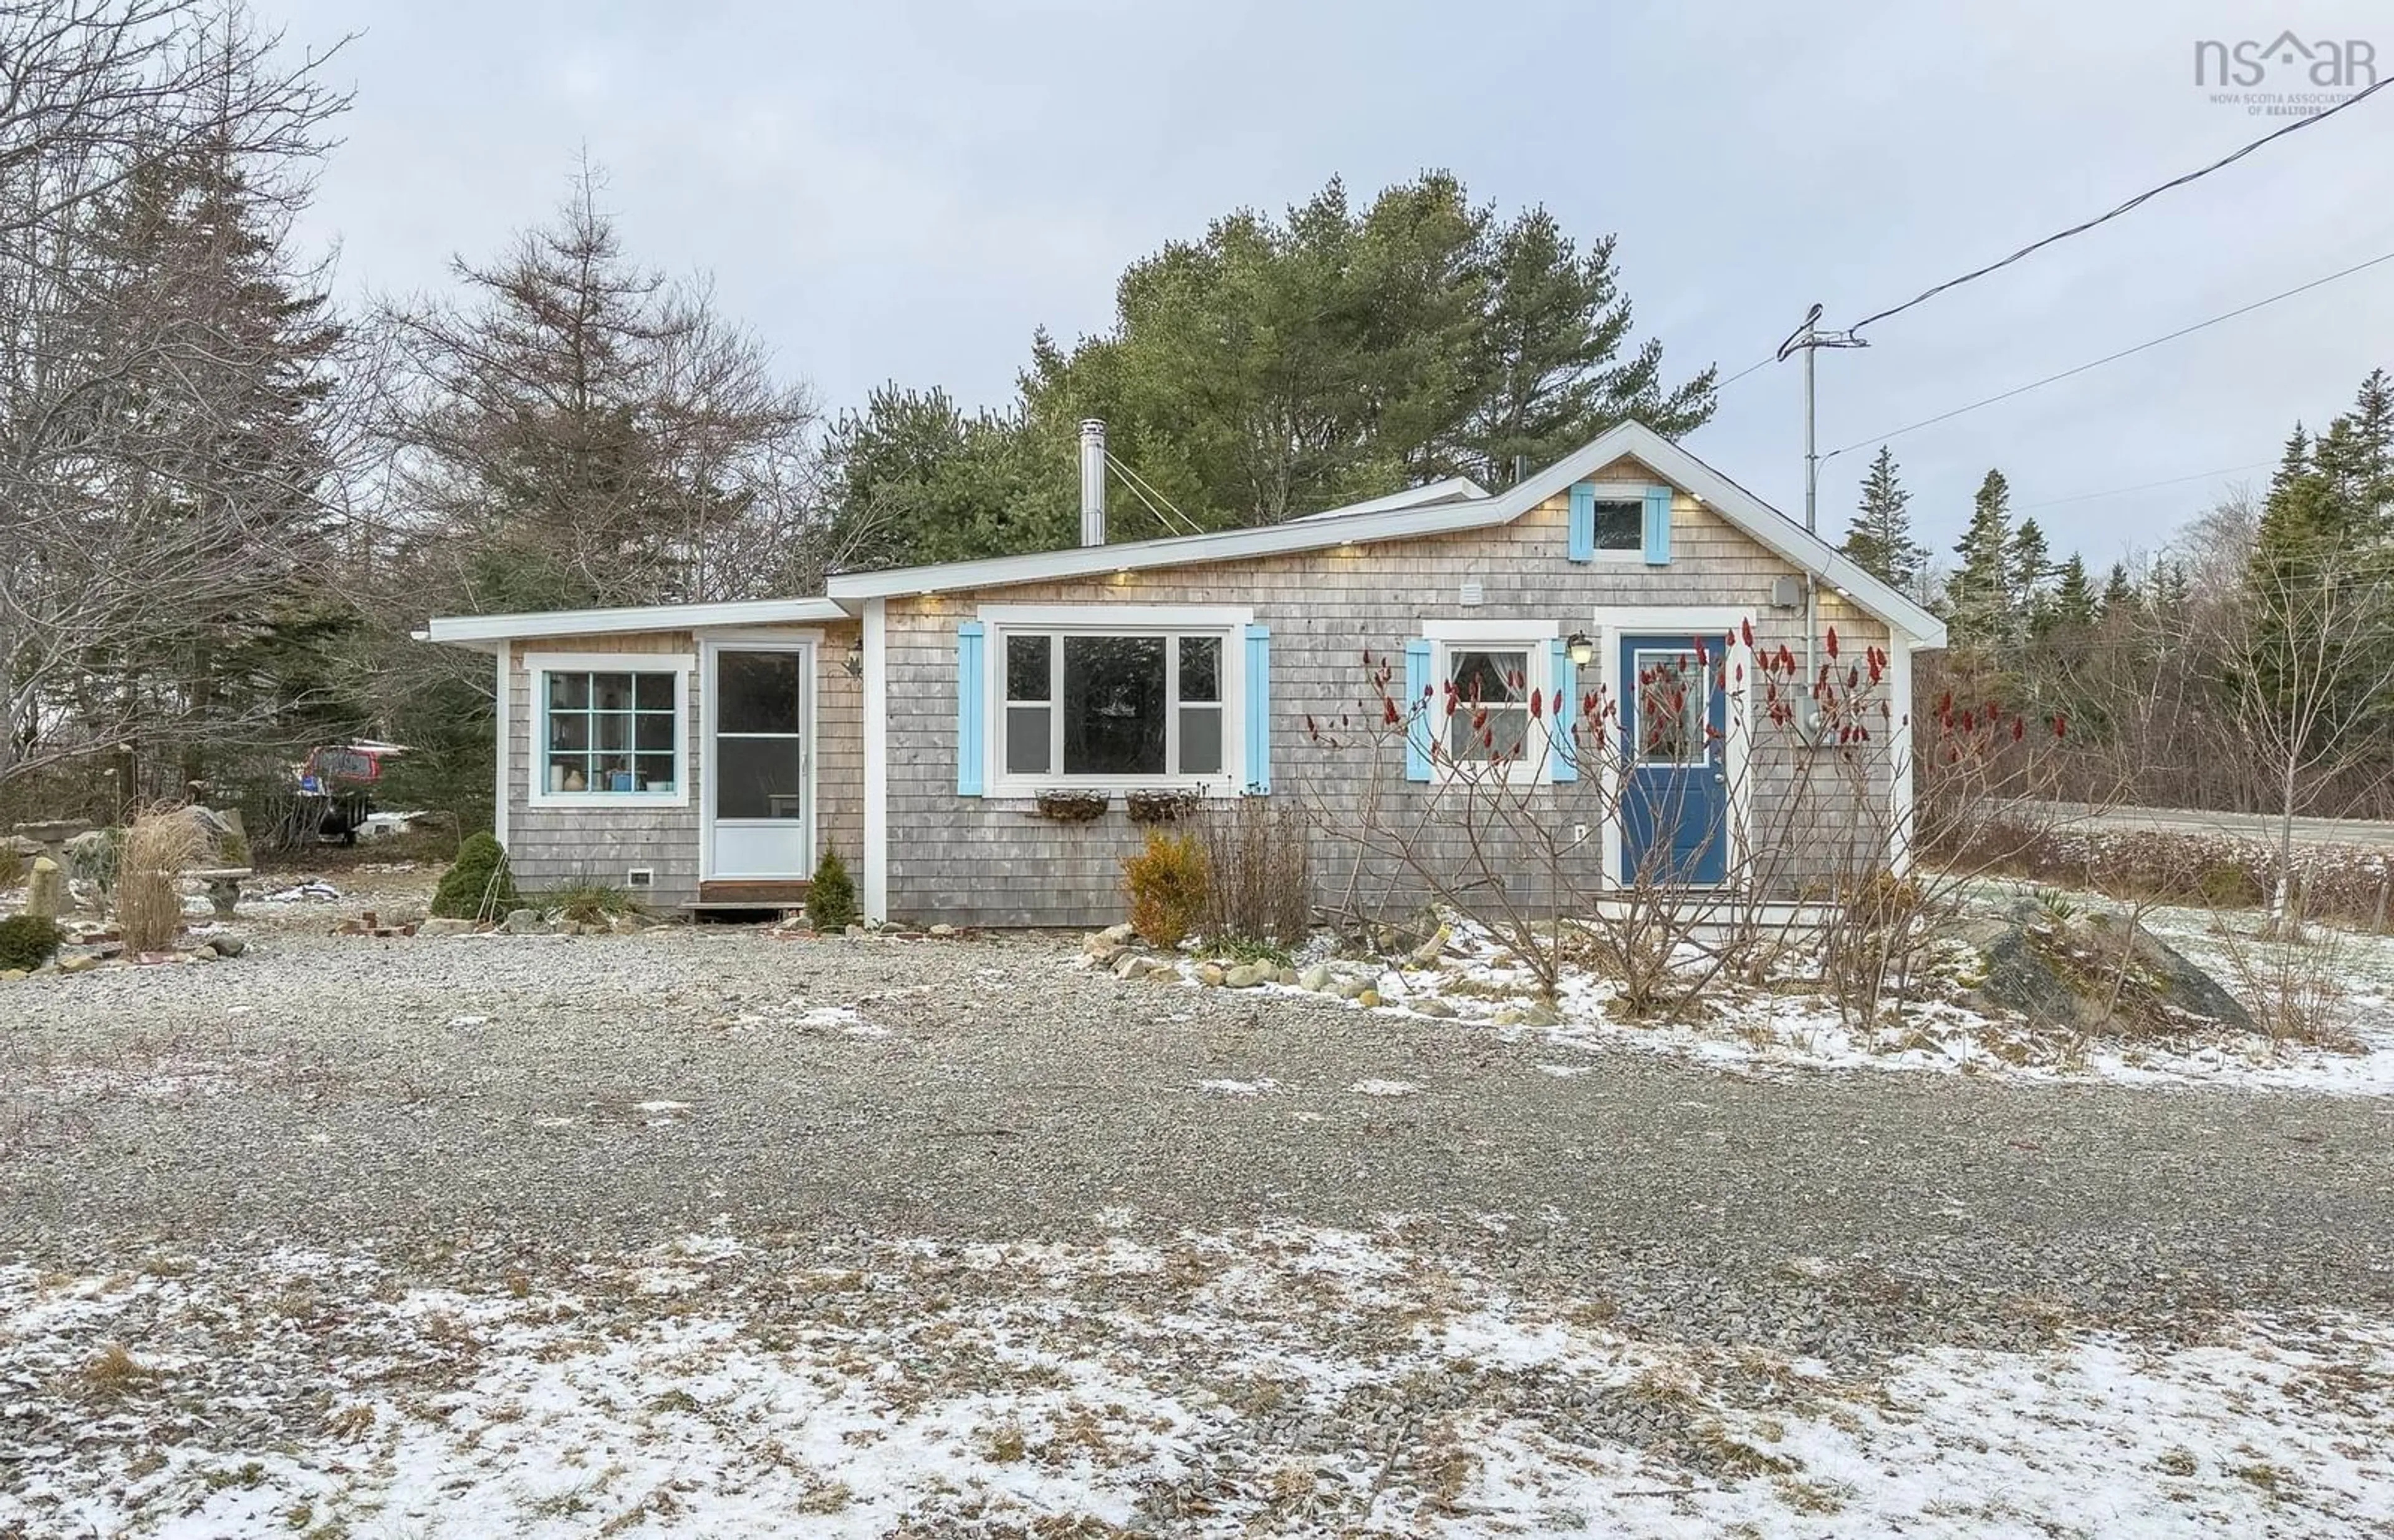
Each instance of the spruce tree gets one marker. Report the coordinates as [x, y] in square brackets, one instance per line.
[2073, 605]
[2032, 565]
[1880, 538]
[1978, 601]
[2119, 594]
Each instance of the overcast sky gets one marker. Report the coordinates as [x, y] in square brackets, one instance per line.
[905, 191]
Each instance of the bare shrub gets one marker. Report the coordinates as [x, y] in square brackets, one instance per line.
[2287, 978]
[1261, 877]
[160, 847]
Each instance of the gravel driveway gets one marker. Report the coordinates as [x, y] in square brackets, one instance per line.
[572, 1092]
[703, 1231]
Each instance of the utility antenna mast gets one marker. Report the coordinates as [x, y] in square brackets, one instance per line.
[1809, 340]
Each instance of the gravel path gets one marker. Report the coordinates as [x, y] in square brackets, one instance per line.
[576, 1095]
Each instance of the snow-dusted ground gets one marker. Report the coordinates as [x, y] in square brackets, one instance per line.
[1280, 1381]
[1791, 1029]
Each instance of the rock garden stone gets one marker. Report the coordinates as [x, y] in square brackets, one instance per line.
[82, 963]
[437, 925]
[2060, 972]
[1316, 977]
[225, 946]
[45, 888]
[1130, 965]
[1369, 999]
[1209, 974]
[1433, 1005]
[524, 922]
[940, 933]
[13, 975]
[1250, 975]
[855, 931]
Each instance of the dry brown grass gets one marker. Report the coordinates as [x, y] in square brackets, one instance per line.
[113, 1371]
[160, 847]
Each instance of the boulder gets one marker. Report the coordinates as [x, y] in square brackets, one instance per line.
[940, 933]
[45, 888]
[1369, 999]
[82, 963]
[1118, 935]
[1250, 975]
[1316, 977]
[1130, 965]
[1433, 1005]
[225, 945]
[2060, 972]
[524, 922]
[1209, 974]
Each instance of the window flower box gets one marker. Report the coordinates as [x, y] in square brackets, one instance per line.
[1073, 807]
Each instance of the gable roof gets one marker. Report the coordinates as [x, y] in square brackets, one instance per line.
[1441, 508]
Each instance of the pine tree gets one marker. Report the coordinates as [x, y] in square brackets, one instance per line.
[2072, 606]
[1979, 599]
[1880, 538]
[2031, 565]
[2119, 594]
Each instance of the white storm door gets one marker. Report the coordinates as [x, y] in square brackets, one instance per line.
[760, 763]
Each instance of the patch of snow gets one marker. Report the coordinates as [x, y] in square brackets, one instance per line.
[919, 1386]
[1239, 1087]
[1384, 1087]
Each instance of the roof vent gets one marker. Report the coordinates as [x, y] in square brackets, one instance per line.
[1093, 483]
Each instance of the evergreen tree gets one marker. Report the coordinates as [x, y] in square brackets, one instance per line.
[2356, 457]
[2119, 594]
[1280, 364]
[1978, 598]
[2031, 566]
[1880, 538]
[2073, 603]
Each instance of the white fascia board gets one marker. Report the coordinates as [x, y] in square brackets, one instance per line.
[1757, 518]
[1361, 525]
[1298, 534]
[469, 630]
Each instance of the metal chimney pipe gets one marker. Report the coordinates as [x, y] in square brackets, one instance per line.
[1093, 483]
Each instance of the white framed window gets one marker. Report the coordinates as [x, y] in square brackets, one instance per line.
[1114, 697]
[1670, 707]
[608, 729]
[1486, 672]
[1619, 522]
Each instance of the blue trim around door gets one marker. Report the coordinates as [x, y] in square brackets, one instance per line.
[1675, 792]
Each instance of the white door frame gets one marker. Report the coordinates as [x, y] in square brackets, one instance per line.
[808, 644]
[1614, 622]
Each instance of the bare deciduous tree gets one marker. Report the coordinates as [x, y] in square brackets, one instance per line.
[147, 475]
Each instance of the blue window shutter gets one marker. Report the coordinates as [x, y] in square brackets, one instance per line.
[972, 708]
[1582, 522]
[1564, 763]
[1417, 709]
[1259, 714]
[1658, 526]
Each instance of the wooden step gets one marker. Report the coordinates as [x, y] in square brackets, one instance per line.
[756, 894]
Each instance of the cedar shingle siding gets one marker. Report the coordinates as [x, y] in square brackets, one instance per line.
[988, 860]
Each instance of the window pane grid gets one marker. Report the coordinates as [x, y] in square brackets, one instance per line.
[1113, 705]
[610, 731]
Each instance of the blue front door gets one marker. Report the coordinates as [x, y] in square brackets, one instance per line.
[1675, 796]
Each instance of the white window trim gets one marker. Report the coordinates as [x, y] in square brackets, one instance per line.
[1446, 638]
[1623, 492]
[539, 665]
[1228, 622]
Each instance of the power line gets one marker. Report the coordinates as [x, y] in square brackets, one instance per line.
[2137, 202]
[2113, 358]
[1768, 358]
[2143, 486]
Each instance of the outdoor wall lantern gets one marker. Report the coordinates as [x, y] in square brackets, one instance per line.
[854, 662]
[1581, 650]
